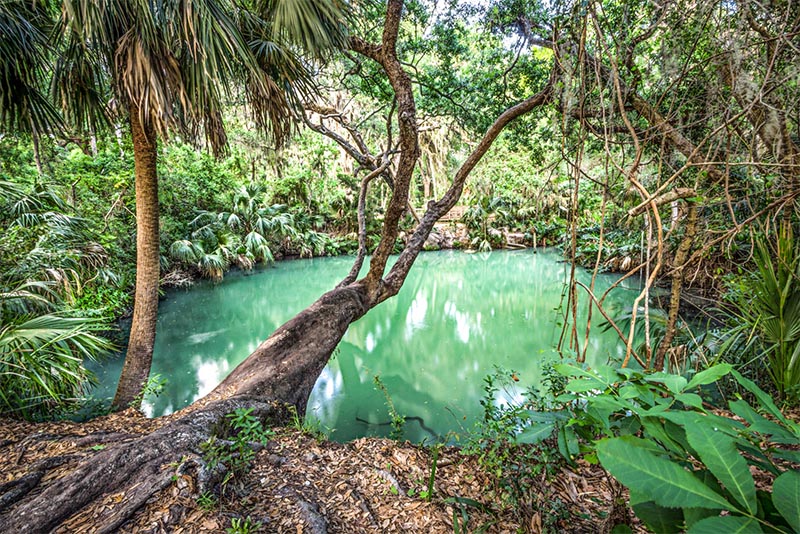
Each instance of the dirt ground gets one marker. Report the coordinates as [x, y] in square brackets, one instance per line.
[299, 484]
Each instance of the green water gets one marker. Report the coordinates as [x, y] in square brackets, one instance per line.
[457, 317]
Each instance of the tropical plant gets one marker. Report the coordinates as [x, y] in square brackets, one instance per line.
[41, 361]
[765, 326]
[25, 52]
[169, 66]
[683, 463]
[483, 214]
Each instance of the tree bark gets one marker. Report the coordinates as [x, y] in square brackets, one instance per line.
[139, 356]
[678, 265]
[281, 371]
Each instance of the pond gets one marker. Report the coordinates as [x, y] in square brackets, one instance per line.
[458, 318]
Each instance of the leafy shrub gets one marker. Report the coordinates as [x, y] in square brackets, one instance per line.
[41, 363]
[517, 463]
[766, 324]
[682, 463]
[232, 446]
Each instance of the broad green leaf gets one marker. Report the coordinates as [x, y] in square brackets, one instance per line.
[786, 497]
[582, 385]
[566, 369]
[675, 383]
[764, 399]
[628, 391]
[760, 424]
[536, 433]
[629, 425]
[727, 525]
[658, 518]
[709, 376]
[608, 374]
[654, 429]
[693, 515]
[544, 417]
[718, 452]
[665, 482]
[792, 456]
[690, 399]
[568, 443]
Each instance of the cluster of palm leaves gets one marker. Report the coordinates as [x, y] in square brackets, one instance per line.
[252, 231]
[484, 214]
[43, 344]
[765, 329]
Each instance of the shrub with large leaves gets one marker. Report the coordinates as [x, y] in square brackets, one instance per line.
[41, 362]
[687, 467]
[767, 322]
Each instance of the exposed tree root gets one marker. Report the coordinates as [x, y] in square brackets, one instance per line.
[118, 480]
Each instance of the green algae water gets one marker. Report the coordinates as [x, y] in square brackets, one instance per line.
[458, 318]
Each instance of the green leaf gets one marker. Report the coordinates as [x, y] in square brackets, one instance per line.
[582, 385]
[675, 383]
[718, 452]
[760, 424]
[792, 456]
[665, 482]
[536, 433]
[764, 399]
[568, 443]
[786, 497]
[728, 524]
[693, 515]
[658, 518]
[690, 399]
[709, 376]
[654, 429]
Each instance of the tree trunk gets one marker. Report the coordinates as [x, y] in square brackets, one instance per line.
[136, 369]
[110, 485]
[681, 257]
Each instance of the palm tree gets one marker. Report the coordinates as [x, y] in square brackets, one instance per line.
[24, 61]
[170, 66]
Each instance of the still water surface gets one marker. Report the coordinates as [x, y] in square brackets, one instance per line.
[457, 317]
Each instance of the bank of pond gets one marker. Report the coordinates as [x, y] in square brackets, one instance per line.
[459, 318]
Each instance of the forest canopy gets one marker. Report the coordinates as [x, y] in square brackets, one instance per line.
[145, 145]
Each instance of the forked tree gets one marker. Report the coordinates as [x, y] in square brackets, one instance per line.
[283, 369]
[169, 67]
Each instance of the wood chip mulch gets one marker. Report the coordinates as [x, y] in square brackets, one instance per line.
[300, 484]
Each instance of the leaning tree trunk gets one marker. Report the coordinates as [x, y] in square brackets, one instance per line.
[281, 371]
[115, 482]
[136, 369]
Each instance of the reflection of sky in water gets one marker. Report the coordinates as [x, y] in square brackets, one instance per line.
[456, 318]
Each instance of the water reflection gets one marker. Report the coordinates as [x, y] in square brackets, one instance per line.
[457, 317]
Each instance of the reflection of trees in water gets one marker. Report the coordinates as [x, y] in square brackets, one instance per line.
[477, 312]
[457, 316]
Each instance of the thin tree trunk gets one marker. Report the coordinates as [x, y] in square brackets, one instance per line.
[136, 369]
[677, 285]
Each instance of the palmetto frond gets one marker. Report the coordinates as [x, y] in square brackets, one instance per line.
[24, 59]
[257, 247]
[186, 251]
[213, 266]
[316, 26]
[41, 361]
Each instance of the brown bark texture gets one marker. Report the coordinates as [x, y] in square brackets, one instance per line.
[282, 370]
[136, 368]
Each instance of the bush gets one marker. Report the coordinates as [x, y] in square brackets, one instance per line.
[683, 464]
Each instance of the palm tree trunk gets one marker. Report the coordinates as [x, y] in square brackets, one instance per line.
[145, 306]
